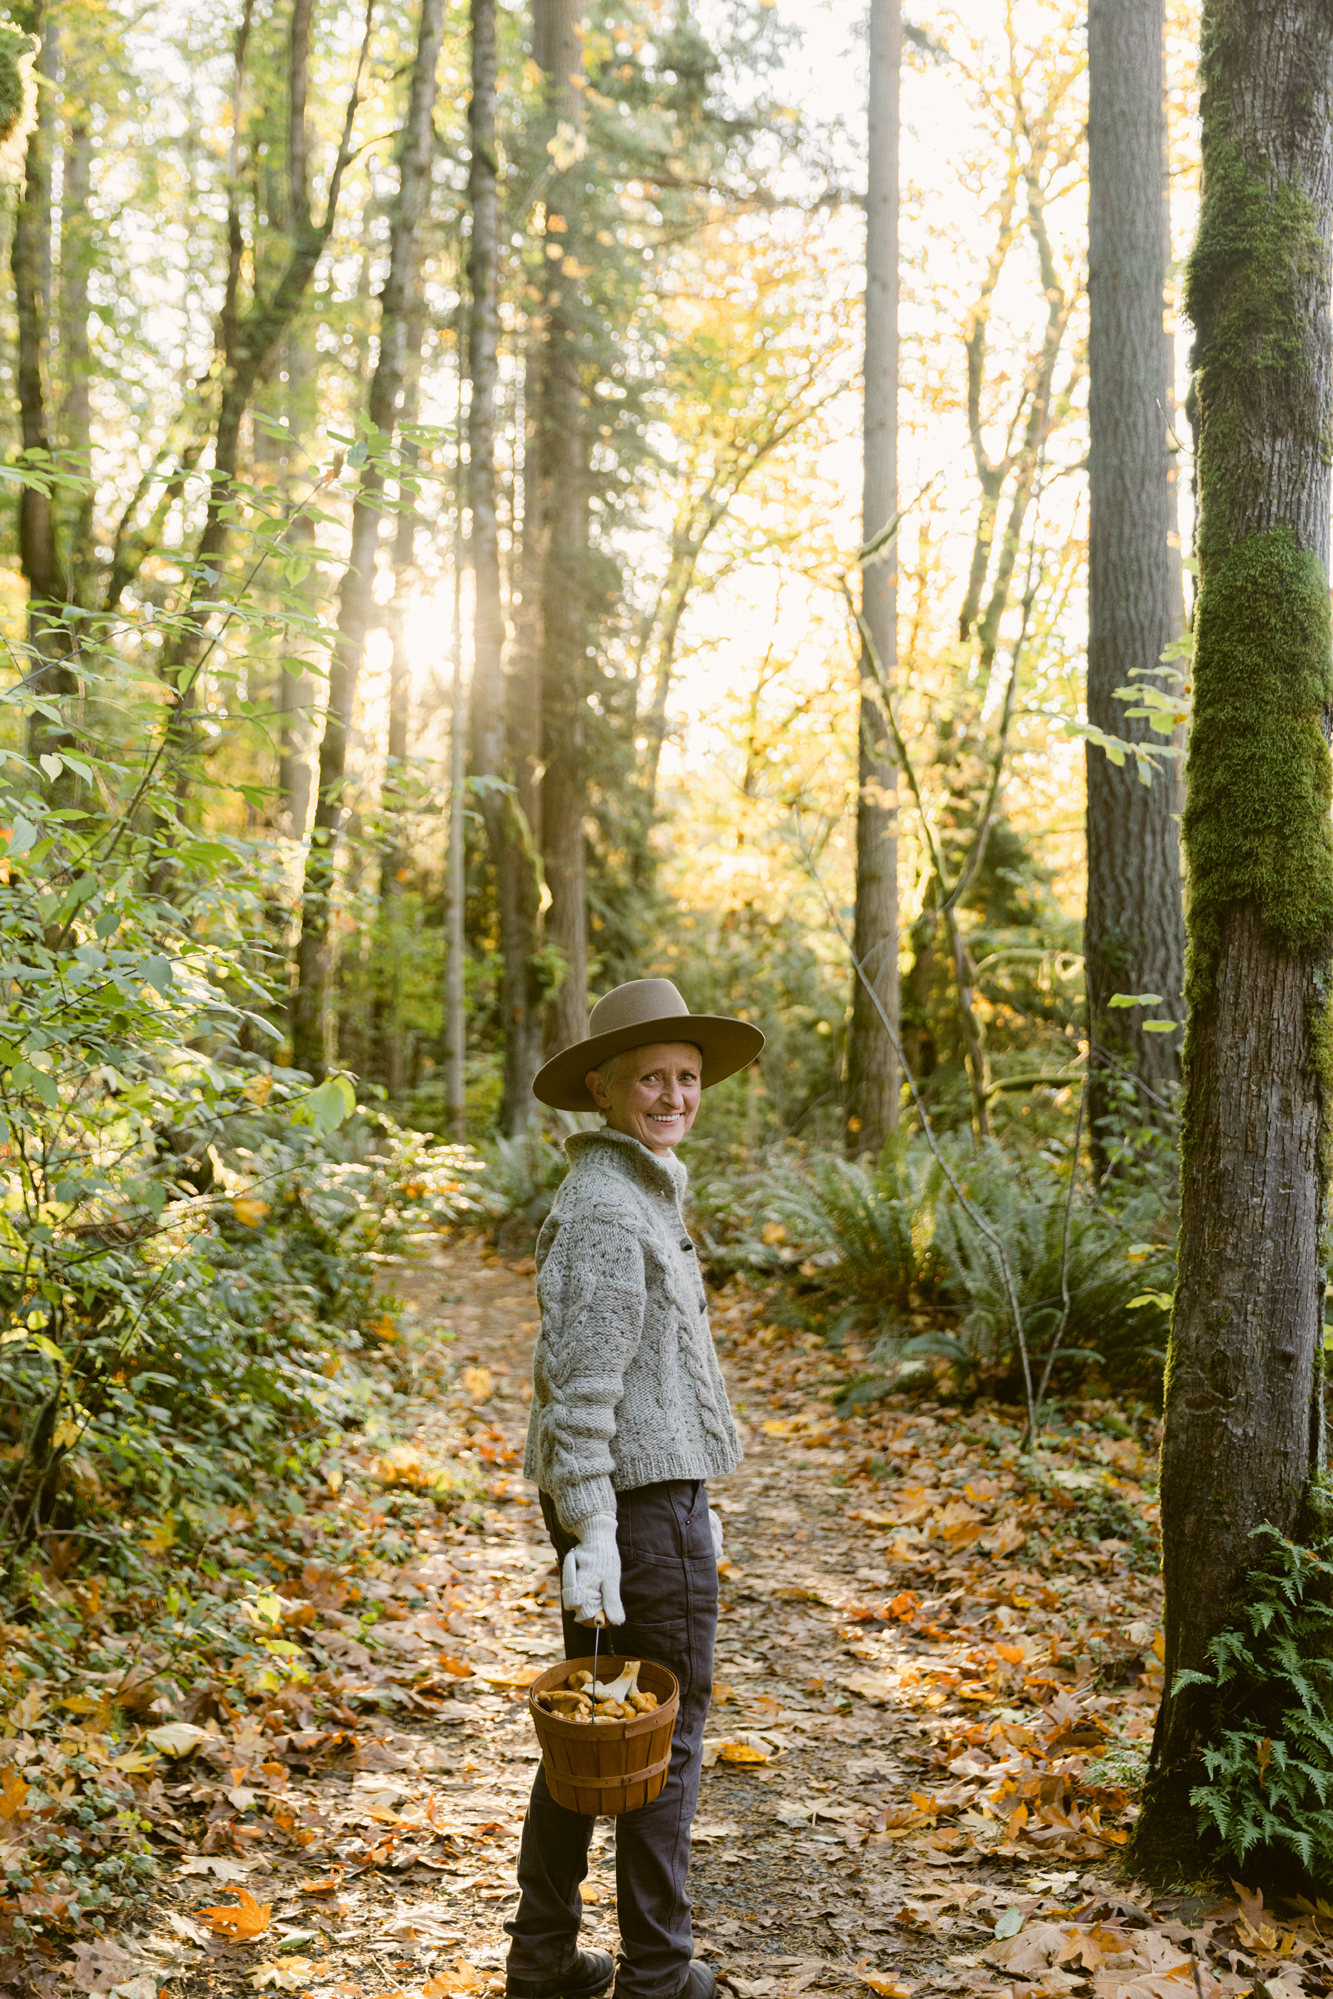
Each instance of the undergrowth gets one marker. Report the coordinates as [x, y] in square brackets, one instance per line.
[1267, 1699]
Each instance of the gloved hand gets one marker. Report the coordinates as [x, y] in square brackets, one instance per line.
[591, 1575]
[716, 1525]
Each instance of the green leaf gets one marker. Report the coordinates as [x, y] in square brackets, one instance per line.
[157, 971]
[326, 1107]
[1136, 999]
[1010, 1923]
[1160, 1026]
[22, 836]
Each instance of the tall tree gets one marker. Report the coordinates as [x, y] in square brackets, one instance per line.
[356, 594]
[1244, 1406]
[52, 636]
[518, 881]
[872, 1072]
[1134, 931]
[562, 522]
[248, 337]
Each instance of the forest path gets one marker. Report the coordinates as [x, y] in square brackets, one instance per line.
[881, 1784]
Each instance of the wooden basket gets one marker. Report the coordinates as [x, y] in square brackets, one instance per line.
[603, 1768]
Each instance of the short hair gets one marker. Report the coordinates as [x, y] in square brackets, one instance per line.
[610, 1070]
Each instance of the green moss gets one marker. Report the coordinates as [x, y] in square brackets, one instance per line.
[1259, 778]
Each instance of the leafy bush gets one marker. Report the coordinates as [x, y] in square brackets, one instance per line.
[1268, 1702]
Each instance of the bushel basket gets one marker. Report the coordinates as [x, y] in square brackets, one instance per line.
[603, 1768]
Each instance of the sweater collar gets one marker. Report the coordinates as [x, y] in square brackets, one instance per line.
[662, 1173]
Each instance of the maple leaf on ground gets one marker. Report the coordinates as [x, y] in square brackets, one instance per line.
[13, 1795]
[328, 1886]
[887, 1988]
[282, 1974]
[464, 1977]
[243, 1920]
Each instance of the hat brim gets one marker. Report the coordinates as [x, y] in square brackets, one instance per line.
[725, 1046]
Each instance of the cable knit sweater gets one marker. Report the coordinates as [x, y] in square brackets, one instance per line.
[626, 1388]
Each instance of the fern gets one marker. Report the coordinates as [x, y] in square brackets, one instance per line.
[877, 1227]
[1268, 1698]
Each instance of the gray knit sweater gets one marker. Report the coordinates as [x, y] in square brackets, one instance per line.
[626, 1388]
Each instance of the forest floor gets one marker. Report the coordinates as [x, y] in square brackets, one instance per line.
[935, 1685]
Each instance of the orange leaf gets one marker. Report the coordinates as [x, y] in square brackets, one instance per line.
[458, 1667]
[1013, 1655]
[13, 1794]
[329, 1886]
[243, 1920]
[463, 1978]
[887, 1988]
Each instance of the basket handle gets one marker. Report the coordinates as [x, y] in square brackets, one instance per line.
[612, 1783]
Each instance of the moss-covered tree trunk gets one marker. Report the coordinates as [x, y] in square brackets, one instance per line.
[1134, 932]
[1244, 1427]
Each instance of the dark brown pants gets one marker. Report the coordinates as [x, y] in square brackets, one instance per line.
[668, 1585]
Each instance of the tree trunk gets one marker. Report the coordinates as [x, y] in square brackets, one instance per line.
[50, 636]
[562, 500]
[1134, 931]
[517, 867]
[455, 871]
[76, 260]
[356, 596]
[1244, 1417]
[248, 340]
[395, 857]
[872, 1070]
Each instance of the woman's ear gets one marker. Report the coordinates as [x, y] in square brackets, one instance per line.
[601, 1096]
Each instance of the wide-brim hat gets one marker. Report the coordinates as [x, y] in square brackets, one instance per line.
[633, 1016]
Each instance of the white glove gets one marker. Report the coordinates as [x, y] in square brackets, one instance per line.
[591, 1575]
[716, 1525]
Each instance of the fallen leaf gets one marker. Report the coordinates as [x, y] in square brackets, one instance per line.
[215, 1864]
[13, 1794]
[286, 1974]
[242, 1920]
[463, 1978]
[479, 1383]
[887, 1988]
[328, 1886]
[176, 1738]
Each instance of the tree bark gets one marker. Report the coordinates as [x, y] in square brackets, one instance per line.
[356, 595]
[518, 880]
[1134, 930]
[76, 258]
[455, 872]
[562, 501]
[395, 858]
[1244, 1418]
[872, 1069]
[51, 637]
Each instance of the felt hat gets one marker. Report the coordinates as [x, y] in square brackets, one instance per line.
[633, 1016]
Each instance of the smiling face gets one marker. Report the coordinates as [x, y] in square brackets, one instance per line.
[651, 1094]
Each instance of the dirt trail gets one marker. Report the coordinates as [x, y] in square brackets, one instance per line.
[889, 1770]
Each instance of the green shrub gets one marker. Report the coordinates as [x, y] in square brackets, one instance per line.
[1267, 1720]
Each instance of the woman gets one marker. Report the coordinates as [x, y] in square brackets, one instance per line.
[629, 1418]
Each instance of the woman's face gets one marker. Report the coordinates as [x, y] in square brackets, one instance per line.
[652, 1093]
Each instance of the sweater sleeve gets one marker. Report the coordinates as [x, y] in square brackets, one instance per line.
[592, 1323]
